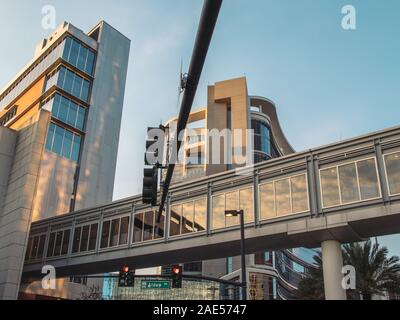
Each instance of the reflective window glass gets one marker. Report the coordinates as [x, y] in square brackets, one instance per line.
[200, 215]
[267, 201]
[57, 248]
[65, 244]
[72, 114]
[187, 217]
[73, 56]
[77, 239]
[246, 204]
[50, 136]
[93, 236]
[80, 121]
[159, 227]
[282, 196]
[77, 86]
[75, 148]
[348, 183]
[67, 48]
[42, 241]
[84, 239]
[35, 246]
[218, 212]
[114, 233]
[392, 163]
[138, 228]
[175, 223]
[330, 187]
[50, 246]
[69, 81]
[67, 144]
[232, 203]
[105, 234]
[85, 91]
[299, 193]
[82, 58]
[89, 63]
[369, 185]
[58, 140]
[148, 226]
[123, 236]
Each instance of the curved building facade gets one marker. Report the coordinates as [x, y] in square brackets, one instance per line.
[236, 123]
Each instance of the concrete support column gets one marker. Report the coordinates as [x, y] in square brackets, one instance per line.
[332, 262]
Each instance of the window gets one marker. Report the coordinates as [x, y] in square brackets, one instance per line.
[8, 116]
[70, 82]
[349, 183]
[146, 227]
[58, 243]
[261, 139]
[234, 200]
[63, 142]
[79, 55]
[392, 166]
[35, 248]
[283, 197]
[114, 232]
[200, 215]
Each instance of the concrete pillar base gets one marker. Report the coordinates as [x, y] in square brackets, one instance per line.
[332, 262]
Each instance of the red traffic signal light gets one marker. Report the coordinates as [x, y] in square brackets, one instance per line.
[176, 276]
[125, 269]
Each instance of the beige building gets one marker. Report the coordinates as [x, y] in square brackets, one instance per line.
[59, 131]
[272, 275]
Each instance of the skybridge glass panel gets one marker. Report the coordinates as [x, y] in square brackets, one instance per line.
[348, 183]
[148, 226]
[232, 203]
[246, 204]
[187, 217]
[392, 164]
[114, 233]
[267, 201]
[159, 230]
[123, 235]
[93, 236]
[330, 187]
[85, 239]
[218, 212]
[282, 197]
[299, 193]
[105, 234]
[175, 222]
[65, 244]
[138, 228]
[77, 239]
[200, 215]
[368, 176]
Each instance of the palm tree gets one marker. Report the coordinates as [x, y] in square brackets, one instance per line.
[375, 272]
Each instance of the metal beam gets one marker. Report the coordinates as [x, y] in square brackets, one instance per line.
[207, 24]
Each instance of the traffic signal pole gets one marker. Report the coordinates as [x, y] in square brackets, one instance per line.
[207, 24]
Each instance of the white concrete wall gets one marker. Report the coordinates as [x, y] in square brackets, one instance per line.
[99, 156]
[16, 215]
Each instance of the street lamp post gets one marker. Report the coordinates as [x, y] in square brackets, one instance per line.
[240, 213]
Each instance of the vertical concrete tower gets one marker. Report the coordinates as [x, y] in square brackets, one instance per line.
[59, 130]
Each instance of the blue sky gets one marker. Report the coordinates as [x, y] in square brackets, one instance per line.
[328, 83]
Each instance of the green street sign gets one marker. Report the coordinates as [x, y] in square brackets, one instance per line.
[156, 284]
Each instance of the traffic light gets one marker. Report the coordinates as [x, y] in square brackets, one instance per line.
[150, 182]
[126, 277]
[154, 146]
[176, 277]
[153, 157]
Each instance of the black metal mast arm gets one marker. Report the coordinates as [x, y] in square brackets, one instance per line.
[207, 24]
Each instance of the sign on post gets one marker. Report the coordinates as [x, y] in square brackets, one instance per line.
[156, 284]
